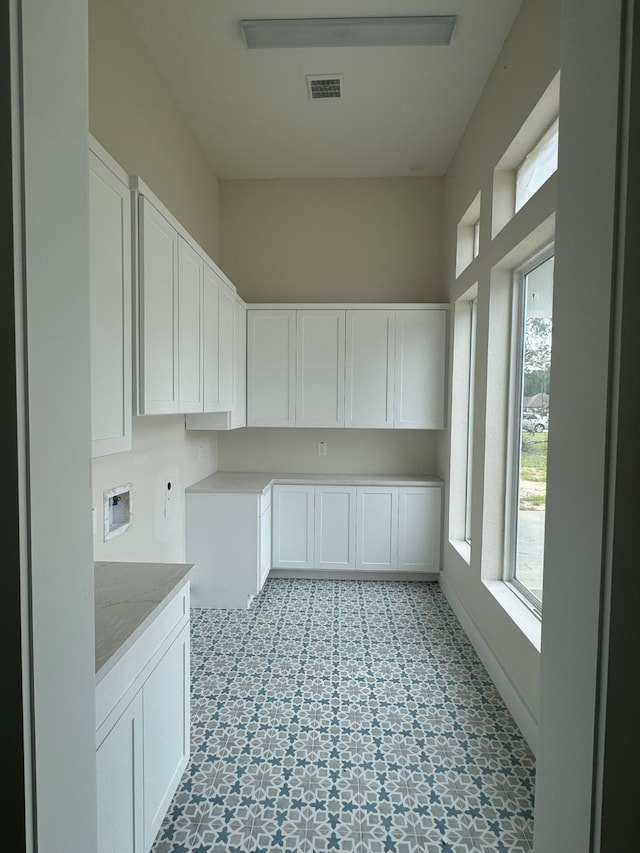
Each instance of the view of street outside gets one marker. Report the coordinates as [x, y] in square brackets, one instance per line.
[531, 513]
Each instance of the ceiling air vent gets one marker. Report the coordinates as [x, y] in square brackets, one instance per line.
[324, 86]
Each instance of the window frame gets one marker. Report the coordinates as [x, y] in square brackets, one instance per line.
[473, 325]
[514, 427]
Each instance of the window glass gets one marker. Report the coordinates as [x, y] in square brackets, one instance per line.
[537, 166]
[533, 405]
[473, 304]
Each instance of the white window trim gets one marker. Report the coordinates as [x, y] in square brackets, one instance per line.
[473, 321]
[514, 430]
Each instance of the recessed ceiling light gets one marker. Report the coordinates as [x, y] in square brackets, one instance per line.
[407, 30]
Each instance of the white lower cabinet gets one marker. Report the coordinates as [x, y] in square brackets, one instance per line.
[228, 536]
[419, 525]
[334, 528]
[373, 528]
[293, 527]
[377, 528]
[165, 726]
[142, 738]
[119, 784]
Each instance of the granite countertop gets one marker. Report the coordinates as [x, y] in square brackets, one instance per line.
[128, 596]
[254, 482]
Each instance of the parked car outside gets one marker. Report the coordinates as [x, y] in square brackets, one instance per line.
[532, 422]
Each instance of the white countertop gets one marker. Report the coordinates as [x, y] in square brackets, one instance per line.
[128, 596]
[254, 482]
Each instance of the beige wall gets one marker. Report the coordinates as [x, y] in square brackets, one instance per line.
[359, 240]
[349, 451]
[526, 66]
[133, 115]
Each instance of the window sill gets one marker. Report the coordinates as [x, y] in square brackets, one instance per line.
[462, 548]
[520, 612]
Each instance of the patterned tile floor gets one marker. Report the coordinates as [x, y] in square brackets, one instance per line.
[349, 716]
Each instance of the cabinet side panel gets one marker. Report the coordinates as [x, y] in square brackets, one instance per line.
[190, 384]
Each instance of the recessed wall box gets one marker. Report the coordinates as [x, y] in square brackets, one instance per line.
[118, 507]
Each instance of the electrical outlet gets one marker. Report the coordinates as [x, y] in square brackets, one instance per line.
[322, 448]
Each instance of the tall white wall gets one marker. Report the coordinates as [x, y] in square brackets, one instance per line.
[133, 115]
[58, 441]
[525, 67]
[576, 541]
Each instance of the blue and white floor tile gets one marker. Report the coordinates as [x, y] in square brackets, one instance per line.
[349, 716]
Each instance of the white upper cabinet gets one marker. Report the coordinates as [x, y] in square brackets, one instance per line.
[218, 343]
[110, 285]
[362, 367]
[211, 336]
[420, 369]
[226, 307]
[239, 411]
[158, 299]
[190, 326]
[320, 368]
[370, 342]
[271, 355]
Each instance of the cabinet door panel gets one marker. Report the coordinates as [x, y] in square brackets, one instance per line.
[377, 528]
[293, 533]
[166, 732]
[369, 369]
[226, 336]
[271, 356]
[419, 512]
[420, 369]
[119, 784]
[158, 296]
[211, 357]
[190, 384]
[239, 414]
[335, 527]
[110, 283]
[265, 547]
[320, 369]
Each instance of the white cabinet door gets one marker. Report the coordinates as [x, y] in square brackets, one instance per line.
[377, 528]
[158, 327]
[166, 719]
[420, 377]
[226, 307]
[119, 784]
[293, 527]
[190, 316]
[370, 343]
[419, 512]
[239, 411]
[110, 282]
[335, 527]
[211, 336]
[320, 368]
[271, 353]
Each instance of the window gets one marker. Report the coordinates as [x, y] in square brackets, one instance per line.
[539, 164]
[476, 239]
[530, 398]
[468, 236]
[473, 308]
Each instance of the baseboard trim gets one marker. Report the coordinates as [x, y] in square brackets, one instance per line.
[519, 711]
[352, 575]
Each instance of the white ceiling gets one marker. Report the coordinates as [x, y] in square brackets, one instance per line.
[402, 112]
